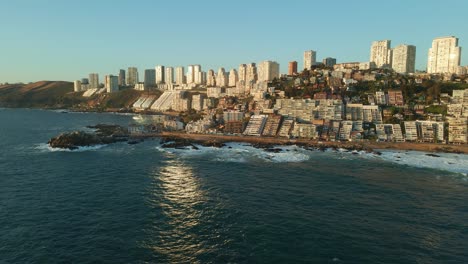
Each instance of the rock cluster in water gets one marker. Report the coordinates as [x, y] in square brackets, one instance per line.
[104, 134]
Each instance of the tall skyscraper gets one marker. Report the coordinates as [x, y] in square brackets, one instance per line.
[268, 70]
[242, 72]
[132, 77]
[150, 78]
[122, 78]
[190, 74]
[77, 86]
[169, 76]
[160, 74]
[210, 78]
[310, 57]
[381, 53]
[292, 68]
[233, 78]
[93, 80]
[197, 74]
[251, 75]
[329, 62]
[444, 56]
[221, 78]
[179, 75]
[112, 83]
[404, 58]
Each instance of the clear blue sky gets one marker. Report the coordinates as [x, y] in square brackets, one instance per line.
[66, 40]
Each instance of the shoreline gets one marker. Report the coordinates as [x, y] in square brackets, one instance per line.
[270, 142]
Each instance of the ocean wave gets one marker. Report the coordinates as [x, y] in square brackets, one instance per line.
[242, 153]
[457, 163]
[44, 147]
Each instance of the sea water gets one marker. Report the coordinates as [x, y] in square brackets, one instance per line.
[142, 203]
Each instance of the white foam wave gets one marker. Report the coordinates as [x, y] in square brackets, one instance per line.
[44, 147]
[457, 163]
[241, 153]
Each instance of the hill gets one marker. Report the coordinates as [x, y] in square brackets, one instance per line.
[59, 94]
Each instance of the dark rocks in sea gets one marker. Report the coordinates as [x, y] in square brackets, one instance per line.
[182, 143]
[104, 134]
[433, 155]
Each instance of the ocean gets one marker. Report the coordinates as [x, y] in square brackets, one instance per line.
[142, 203]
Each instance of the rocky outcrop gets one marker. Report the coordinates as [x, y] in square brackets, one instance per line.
[104, 134]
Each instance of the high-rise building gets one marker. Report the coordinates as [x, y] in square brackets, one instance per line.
[242, 72]
[150, 78]
[221, 78]
[190, 74]
[112, 83]
[211, 78]
[169, 75]
[444, 56]
[251, 75]
[292, 68]
[329, 62]
[77, 86]
[93, 80]
[122, 77]
[160, 74]
[381, 53]
[233, 78]
[197, 74]
[132, 77]
[179, 75]
[404, 58]
[268, 70]
[310, 58]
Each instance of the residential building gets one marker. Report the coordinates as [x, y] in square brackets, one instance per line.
[411, 131]
[395, 97]
[210, 79]
[309, 59]
[132, 77]
[404, 58]
[150, 78]
[169, 75]
[77, 86]
[329, 62]
[198, 102]
[221, 78]
[308, 131]
[444, 55]
[179, 75]
[292, 68]
[197, 74]
[457, 130]
[233, 78]
[381, 53]
[93, 80]
[268, 70]
[430, 131]
[160, 72]
[122, 77]
[251, 75]
[112, 83]
[255, 125]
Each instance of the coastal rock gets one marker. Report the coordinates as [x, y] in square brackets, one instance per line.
[104, 134]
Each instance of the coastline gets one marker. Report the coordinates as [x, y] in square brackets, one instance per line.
[268, 142]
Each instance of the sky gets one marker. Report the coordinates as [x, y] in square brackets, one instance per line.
[66, 40]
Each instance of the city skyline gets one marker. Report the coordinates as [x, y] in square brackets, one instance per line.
[63, 40]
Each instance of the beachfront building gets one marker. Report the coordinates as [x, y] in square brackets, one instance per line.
[307, 131]
[255, 125]
[457, 130]
[430, 131]
[272, 125]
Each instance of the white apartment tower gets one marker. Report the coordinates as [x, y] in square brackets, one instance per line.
[93, 80]
[404, 58]
[132, 77]
[169, 75]
[381, 53]
[160, 72]
[268, 70]
[444, 56]
[211, 78]
[242, 72]
[310, 58]
[221, 78]
[233, 78]
[197, 74]
[251, 73]
[179, 75]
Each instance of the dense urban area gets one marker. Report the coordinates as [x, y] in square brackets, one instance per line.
[383, 99]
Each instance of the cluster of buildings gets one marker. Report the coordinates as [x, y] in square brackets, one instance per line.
[326, 115]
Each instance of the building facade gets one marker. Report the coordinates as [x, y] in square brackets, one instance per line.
[179, 75]
[292, 68]
[150, 78]
[310, 58]
[404, 58]
[381, 53]
[93, 80]
[160, 72]
[132, 77]
[444, 55]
